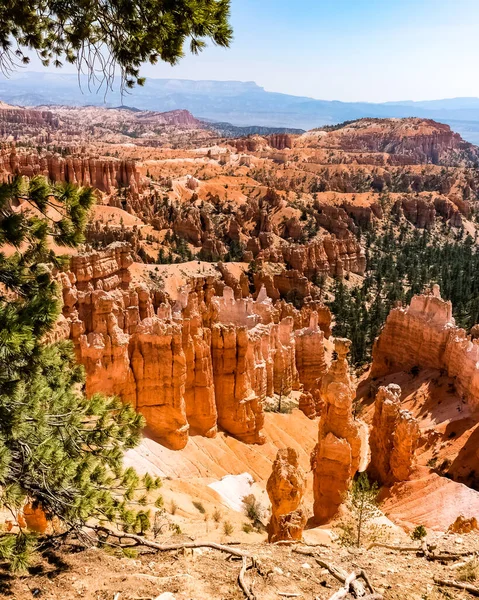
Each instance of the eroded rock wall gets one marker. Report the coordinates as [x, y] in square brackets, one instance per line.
[189, 366]
[425, 335]
[104, 174]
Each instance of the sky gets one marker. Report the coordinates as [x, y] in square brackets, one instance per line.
[349, 50]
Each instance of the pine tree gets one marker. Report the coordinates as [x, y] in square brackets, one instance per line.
[59, 450]
[362, 502]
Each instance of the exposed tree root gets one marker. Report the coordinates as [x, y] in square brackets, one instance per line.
[474, 591]
[142, 541]
[104, 533]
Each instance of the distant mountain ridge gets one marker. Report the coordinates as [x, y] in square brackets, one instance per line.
[241, 104]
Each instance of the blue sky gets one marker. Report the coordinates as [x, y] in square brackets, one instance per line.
[372, 50]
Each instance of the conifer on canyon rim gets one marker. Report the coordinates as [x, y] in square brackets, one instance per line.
[59, 450]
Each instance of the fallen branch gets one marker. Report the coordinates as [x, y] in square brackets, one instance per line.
[344, 591]
[286, 542]
[357, 588]
[288, 595]
[395, 547]
[242, 582]
[427, 550]
[474, 591]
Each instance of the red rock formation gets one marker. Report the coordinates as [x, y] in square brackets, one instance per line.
[408, 140]
[425, 335]
[252, 359]
[240, 409]
[463, 525]
[201, 410]
[285, 487]
[310, 356]
[336, 457]
[17, 115]
[329, 256]
[414, 336]
[311, 404]
[203, 361]
[280, 141]
[105, 174]
[394, 438]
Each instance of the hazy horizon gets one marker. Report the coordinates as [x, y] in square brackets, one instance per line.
[63, 72]
[349, 50]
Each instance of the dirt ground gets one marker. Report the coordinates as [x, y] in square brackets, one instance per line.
[206, 574]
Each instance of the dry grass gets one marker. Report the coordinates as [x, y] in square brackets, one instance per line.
[469, 572]
[228, 528]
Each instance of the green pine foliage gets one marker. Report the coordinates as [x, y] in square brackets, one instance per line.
[58, 449]
[401, 262]
[98, 37]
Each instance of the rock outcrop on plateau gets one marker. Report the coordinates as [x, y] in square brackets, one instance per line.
[336, 458]
[104, 174]
[188, 366]
[393, 439]
[285, 487]
[425, 335]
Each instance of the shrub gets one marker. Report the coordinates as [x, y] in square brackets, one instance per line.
[419, 533]
[247, 527]
[253, 509]
[216, 515]
[414, 371]
[199, 507]
[175, 528]
[228, 528]
[173, 507]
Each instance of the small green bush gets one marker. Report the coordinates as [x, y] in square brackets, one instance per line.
[419, 533]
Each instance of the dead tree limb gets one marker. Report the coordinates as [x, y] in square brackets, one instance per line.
[474, 591]
[395, 547]
[357, 588]
[247, 591]
[344, 591]
[365, 577]
[427, 550]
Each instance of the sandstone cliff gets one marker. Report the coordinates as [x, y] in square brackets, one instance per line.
[425, 335]
[105, 174]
